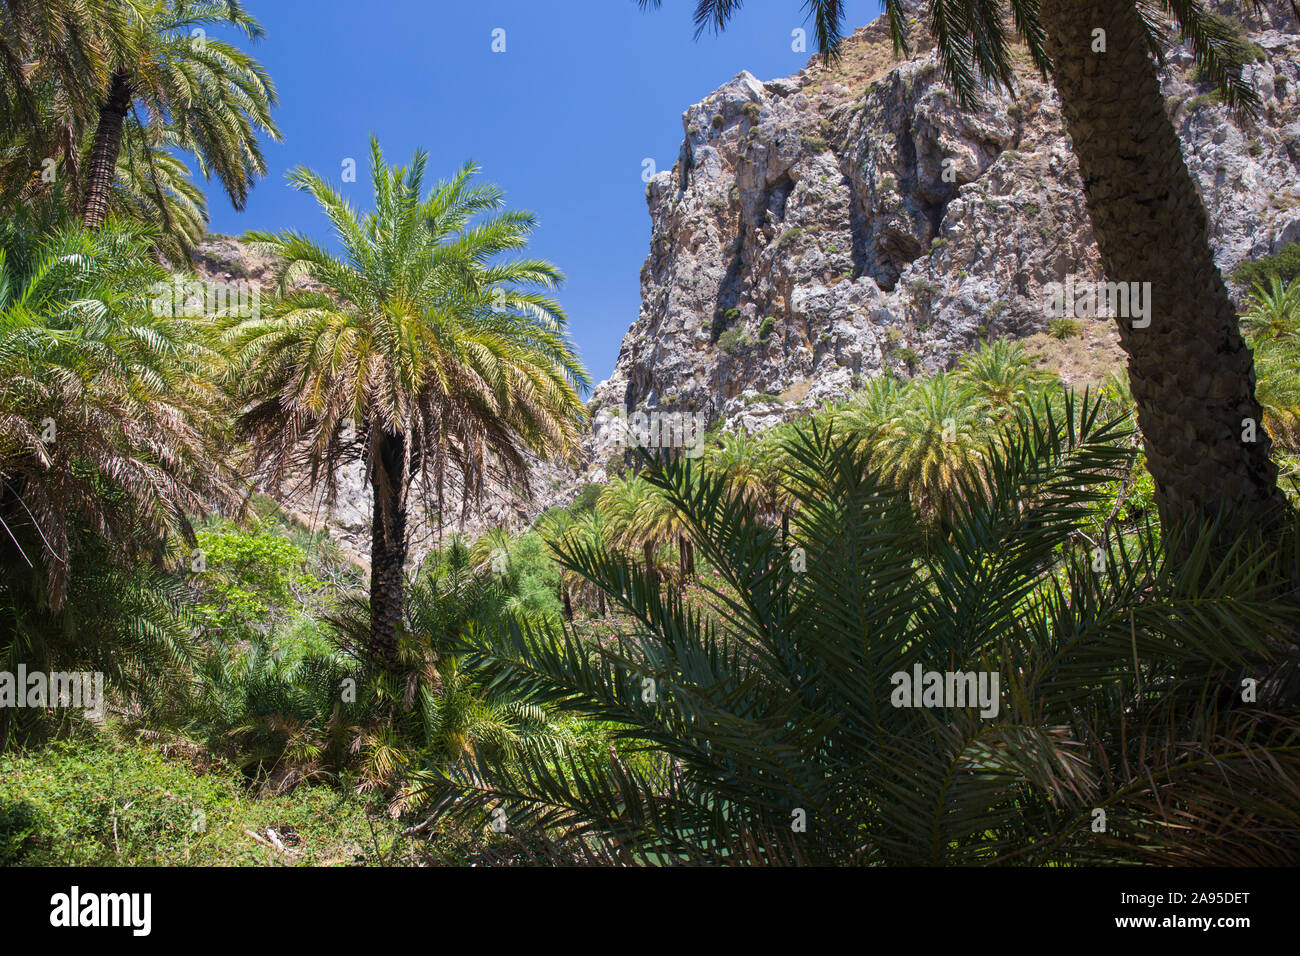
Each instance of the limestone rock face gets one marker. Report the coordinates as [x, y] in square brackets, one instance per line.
[850, 220]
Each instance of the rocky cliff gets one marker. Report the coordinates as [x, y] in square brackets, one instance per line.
[821, 229]
[851, 219]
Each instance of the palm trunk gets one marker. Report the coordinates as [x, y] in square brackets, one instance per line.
[568, 604]
[387, 547]
[103, 155]
[1192, 375]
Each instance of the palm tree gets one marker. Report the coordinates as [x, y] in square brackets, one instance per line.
[209, 97]
[153, 184]
[935, 442]
[1279, 390]
[418, 353]
[870, 411]
[777, 735]
[1274, 313]
[1192, 373]
[54, 65]
[1000, 376]
[739, 456]
[624, 506]
[111, 420]
[492, 551]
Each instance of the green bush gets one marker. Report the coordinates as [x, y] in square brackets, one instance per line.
[1283, 264]
[733, 340]
[96, 802]
[252, 578]
[790, 235]
[766, 326]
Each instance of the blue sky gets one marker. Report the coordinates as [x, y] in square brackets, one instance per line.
[562, 120]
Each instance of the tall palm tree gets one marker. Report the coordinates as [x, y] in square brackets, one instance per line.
[213, 99]
[55, 59]
[419, 352]
[1192, 373]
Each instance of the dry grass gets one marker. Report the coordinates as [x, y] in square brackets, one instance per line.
[796, 392]
[1085, 359]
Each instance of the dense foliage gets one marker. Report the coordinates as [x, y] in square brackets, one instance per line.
[695, 661]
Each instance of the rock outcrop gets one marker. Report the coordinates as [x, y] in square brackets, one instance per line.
[822, 229]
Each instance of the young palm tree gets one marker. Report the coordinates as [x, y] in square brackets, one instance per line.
[1000, 376]
[1192, 373]
[625, 505]
[739, 456]
[870, 411]
[418, 353]
[110, 416]
[491, 553]
[776, 733]
[1274, 313]
[1279, 390]
[210, 97]
[935, 443]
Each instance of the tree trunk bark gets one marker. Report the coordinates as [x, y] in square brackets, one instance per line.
[568, 604]
[1192, 375]
[104, 153]
[387, 546]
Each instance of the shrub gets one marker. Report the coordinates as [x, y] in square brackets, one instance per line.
[718, 121]
[765, 327]
[1063, 327]
[734, 340]
[789, 236]
[96, 802]
[1284, 264]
